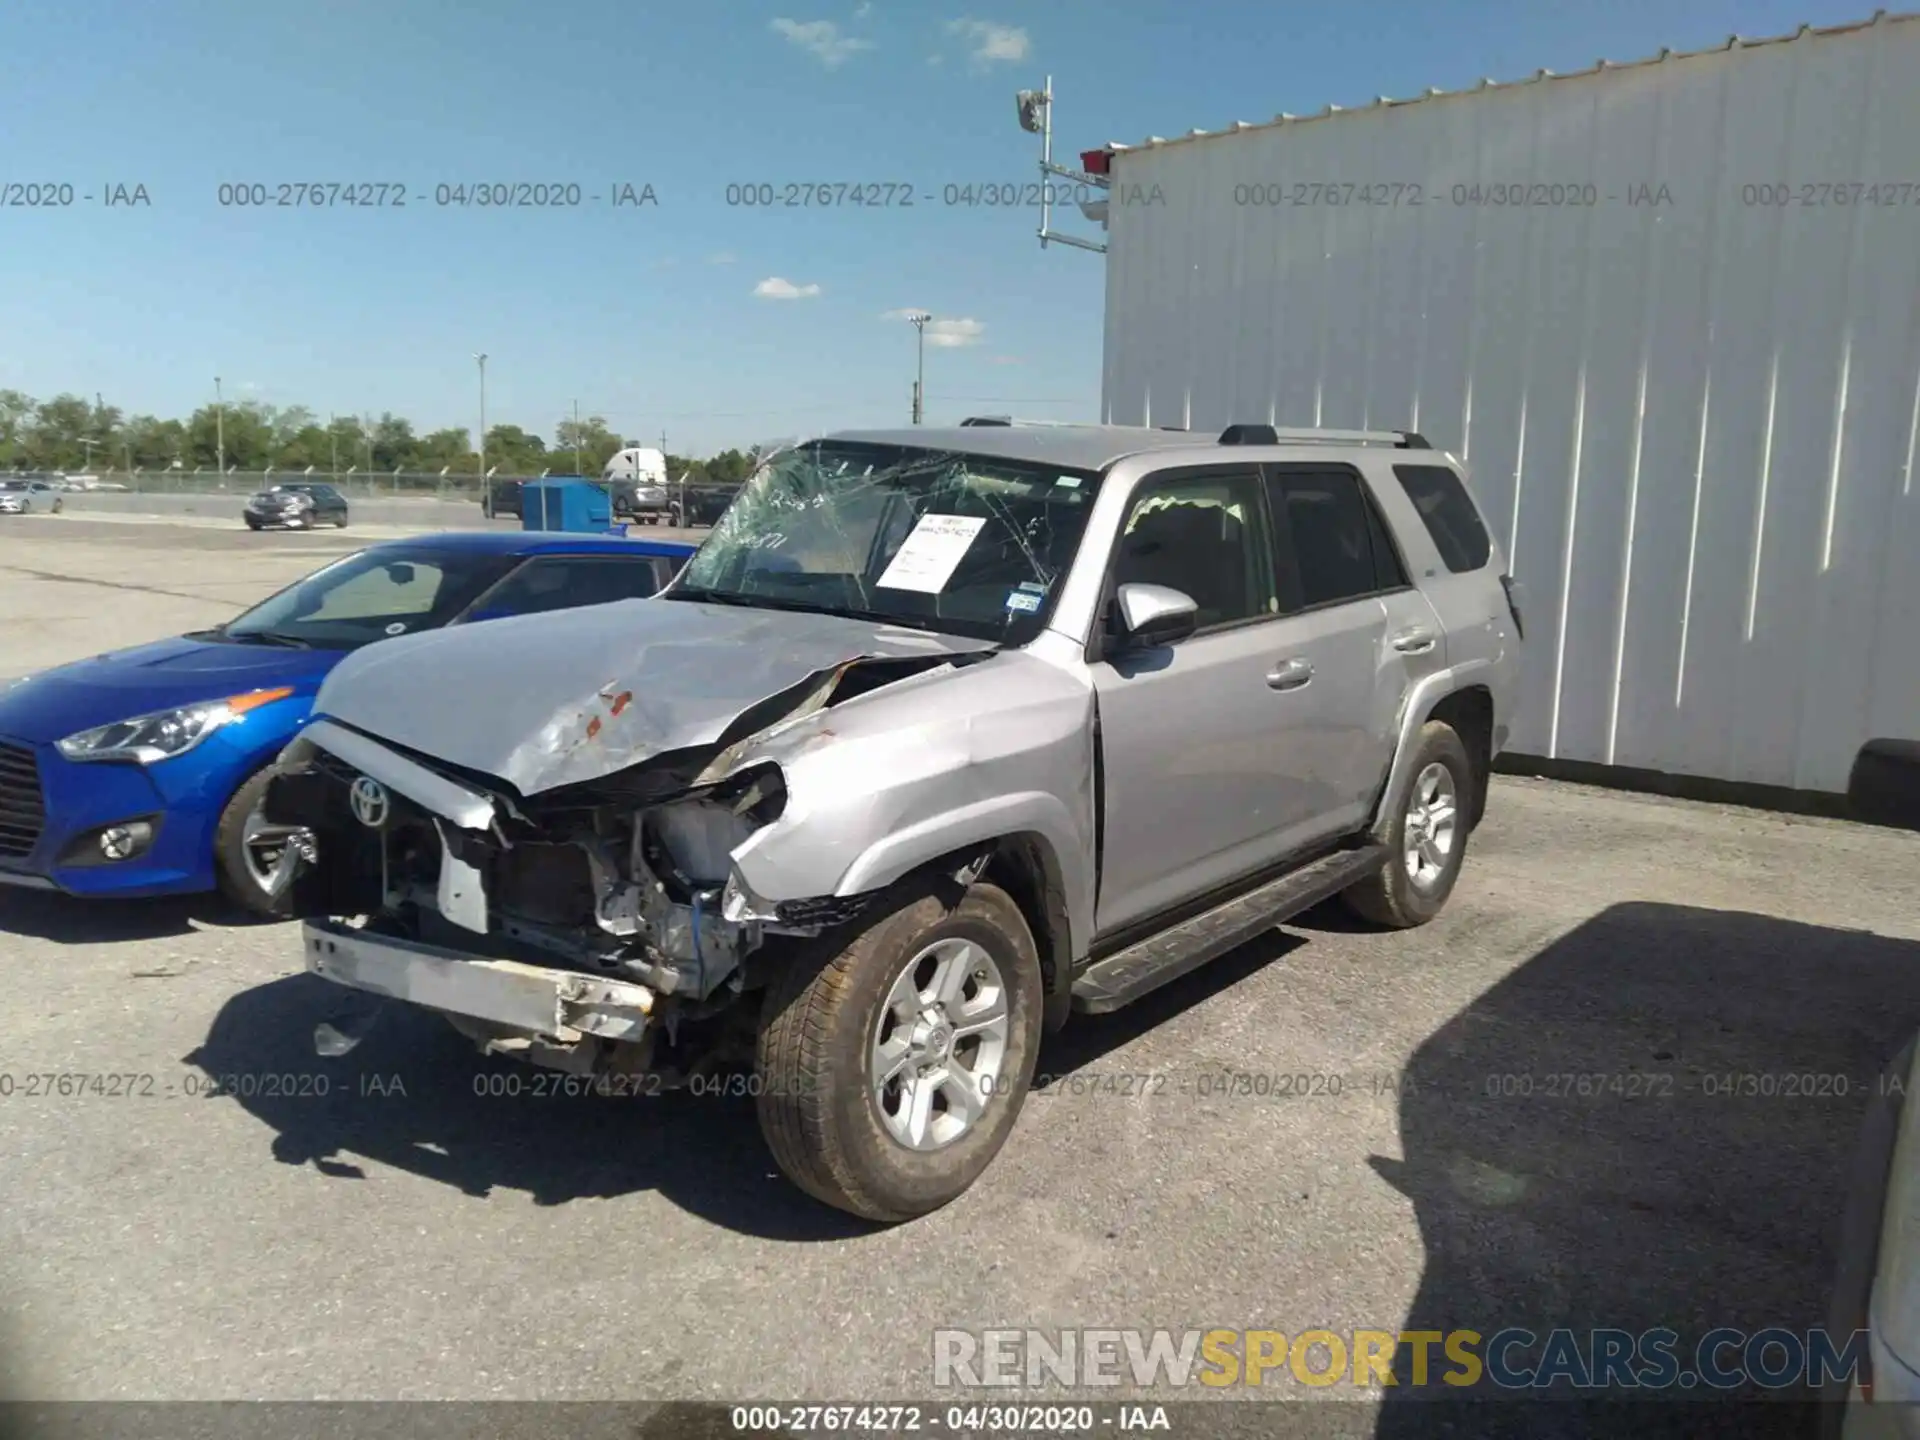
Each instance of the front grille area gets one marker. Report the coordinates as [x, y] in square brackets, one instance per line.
[22, 811]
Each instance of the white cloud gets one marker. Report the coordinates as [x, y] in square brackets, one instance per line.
[722, 257]
[951, 334]
[992, 44]
[822, 40]
[774, 288]
[946, 334]
[863, 9]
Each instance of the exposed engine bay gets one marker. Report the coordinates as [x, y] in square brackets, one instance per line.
[630, 876]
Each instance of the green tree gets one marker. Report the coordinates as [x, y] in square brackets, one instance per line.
[512, 451]
[394, 445]
[440, 449]
[729, 467]
[16, 416]
[595, 443]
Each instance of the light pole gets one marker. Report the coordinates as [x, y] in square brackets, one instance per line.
[576, 437]
[333, 434]
[919, 319]
[220, 430]
[486, 490]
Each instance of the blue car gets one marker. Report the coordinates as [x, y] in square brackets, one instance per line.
[140, 772]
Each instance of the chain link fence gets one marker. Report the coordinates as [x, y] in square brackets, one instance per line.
[354, 485]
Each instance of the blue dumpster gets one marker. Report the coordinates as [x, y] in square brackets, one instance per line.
[565, 502]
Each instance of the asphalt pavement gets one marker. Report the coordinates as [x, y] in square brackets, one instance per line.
[1331, 1128]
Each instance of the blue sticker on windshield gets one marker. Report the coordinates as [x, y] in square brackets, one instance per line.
[1022, 600]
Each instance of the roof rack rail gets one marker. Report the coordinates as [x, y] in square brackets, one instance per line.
[1282, 435]
[1031, 424]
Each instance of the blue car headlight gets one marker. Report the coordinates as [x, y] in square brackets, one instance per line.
[164, 733]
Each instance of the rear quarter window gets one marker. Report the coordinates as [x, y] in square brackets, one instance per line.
[1449, 514]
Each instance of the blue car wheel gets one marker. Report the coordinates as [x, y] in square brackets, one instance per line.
[248, 853]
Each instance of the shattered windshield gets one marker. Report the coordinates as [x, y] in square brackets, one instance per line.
[938, 540]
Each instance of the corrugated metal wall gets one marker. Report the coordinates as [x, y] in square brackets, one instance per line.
[1692, 420]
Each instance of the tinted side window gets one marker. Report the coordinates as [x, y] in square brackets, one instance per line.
[1449, 513]
[1204, 536]
[562, 582]
[1330, 531]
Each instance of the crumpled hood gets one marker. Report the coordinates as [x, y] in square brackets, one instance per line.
[541, 701]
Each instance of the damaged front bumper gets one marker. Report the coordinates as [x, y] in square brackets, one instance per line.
[528, 1002]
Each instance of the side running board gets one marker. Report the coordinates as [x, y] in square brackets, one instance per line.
[1140, 969]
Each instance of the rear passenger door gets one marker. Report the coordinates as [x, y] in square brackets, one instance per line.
[1361, 626]
[1465, 587]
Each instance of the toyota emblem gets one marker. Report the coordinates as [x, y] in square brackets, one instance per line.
[369, 800]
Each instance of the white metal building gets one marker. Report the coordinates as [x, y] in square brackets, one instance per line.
[1675, 335]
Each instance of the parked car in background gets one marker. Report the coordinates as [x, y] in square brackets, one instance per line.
[940, 736]
[301, 505]
[502, 496]
[139, 772]
[27, 497]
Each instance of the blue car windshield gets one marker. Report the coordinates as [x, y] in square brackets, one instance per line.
[369, 596]
[936, 540]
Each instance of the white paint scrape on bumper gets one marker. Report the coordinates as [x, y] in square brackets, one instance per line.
[563, 1006]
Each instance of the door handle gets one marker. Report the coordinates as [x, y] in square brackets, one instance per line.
[1290, 675]
[1416, 641]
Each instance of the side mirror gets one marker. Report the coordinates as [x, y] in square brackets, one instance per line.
[1149, 616]
[400, 572]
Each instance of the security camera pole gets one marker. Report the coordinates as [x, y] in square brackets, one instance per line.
[1036, 118]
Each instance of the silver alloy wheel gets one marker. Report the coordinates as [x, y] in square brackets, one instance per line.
[1432, 816]
[939, 1044]
[270, 850]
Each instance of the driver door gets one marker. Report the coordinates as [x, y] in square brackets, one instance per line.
[1194, 735]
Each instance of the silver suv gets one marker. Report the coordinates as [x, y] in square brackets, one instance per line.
[942, 736]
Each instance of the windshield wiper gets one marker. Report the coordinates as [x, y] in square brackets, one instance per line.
[812, 607]
[267, 637]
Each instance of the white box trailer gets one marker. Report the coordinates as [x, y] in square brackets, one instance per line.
[1669, 314]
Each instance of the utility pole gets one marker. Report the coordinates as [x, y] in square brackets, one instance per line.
[220, 430]
[919, 320]
[576, 437]
[486, 490]
[334, 435]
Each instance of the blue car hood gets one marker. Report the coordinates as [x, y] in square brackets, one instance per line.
[159, 676]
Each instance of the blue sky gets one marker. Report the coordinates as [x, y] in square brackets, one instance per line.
[649, 315]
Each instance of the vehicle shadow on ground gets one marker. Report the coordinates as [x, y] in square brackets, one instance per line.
[415, 1095]
[1549, 1196]
[69, 920]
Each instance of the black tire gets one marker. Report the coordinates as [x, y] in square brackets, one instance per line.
[229, 853]
[252, 524]
[1391, 896]
[57, 504]
[676, 519]
[816, 1106]
[341, 523]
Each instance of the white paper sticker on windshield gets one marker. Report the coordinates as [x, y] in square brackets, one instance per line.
[930, 555]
